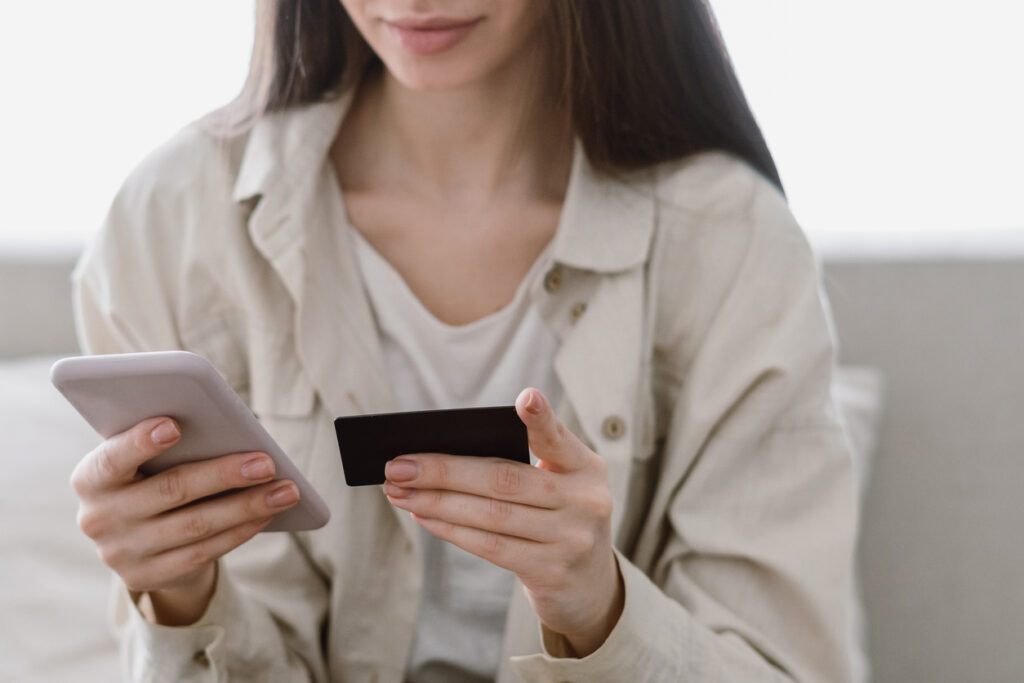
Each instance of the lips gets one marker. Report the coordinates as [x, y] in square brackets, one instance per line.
[431, 23]
[431, 35]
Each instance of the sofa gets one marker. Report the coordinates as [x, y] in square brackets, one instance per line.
[937, 337]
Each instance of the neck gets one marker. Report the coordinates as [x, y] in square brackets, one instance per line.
[475, 143]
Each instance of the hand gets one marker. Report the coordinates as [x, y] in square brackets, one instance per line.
[550, 524]
[160, 533]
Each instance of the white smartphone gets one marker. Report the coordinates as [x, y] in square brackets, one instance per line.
[115, 392]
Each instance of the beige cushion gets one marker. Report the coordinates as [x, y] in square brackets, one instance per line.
[53, 588]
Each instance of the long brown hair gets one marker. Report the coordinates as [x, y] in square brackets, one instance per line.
[645, 81]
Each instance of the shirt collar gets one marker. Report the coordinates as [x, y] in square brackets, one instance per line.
[606, 222]
[285, 147]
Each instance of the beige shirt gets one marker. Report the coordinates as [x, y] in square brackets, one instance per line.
[431, 365]
[699, 371]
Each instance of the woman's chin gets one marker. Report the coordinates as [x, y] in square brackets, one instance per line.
[425, 77]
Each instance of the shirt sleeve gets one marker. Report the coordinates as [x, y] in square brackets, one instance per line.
[240, 637]
[743, 569]
[269, 606]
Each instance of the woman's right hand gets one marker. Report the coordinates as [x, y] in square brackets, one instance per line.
[161, 533]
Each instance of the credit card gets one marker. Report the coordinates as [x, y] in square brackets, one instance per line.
[368, 442]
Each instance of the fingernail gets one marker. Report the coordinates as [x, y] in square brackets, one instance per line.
[394, 491]
[164, 433]
[282, 496]
[533, 403]
[401, 470]
[257, 468]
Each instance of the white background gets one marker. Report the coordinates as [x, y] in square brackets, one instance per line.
[896, 124]
[90, 88]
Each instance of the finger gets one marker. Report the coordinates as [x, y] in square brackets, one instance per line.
[486, 514]
[508, 552]
[488, 477]
[116, 461]
[165, 567]
[549, 439]
[190, 482]
[204, 520]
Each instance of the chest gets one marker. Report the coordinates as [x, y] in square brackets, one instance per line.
[462, 262]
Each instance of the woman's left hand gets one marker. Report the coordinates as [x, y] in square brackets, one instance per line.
[549, 524]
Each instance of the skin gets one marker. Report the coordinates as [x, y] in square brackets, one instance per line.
[549, 524]
[153, 533]
[441, 163]
[454, 166]
[449, 164]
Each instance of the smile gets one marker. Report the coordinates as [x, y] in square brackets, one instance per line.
[431, 36]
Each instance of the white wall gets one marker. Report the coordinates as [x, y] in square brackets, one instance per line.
[896, 124]
[89, 88]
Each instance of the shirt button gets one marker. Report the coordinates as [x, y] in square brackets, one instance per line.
[202, 659]
[613, 427]
[576, 312]
[553, 280]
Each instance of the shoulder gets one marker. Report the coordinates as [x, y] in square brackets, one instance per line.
[715, 207]
[173, 208]
[723, 234]
[195, 164]
[720, 192]
[181, 186]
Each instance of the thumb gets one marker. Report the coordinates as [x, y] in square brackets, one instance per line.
[549, 439]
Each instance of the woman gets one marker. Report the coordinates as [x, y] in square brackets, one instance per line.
[435, 204]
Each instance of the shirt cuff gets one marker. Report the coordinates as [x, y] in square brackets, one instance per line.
[622, 652]
[179, 653]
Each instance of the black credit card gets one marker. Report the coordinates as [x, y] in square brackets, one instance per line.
[367, 442]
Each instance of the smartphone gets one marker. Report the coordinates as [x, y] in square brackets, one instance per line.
[115, 392]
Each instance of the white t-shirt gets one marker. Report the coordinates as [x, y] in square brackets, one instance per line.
[433, 365]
